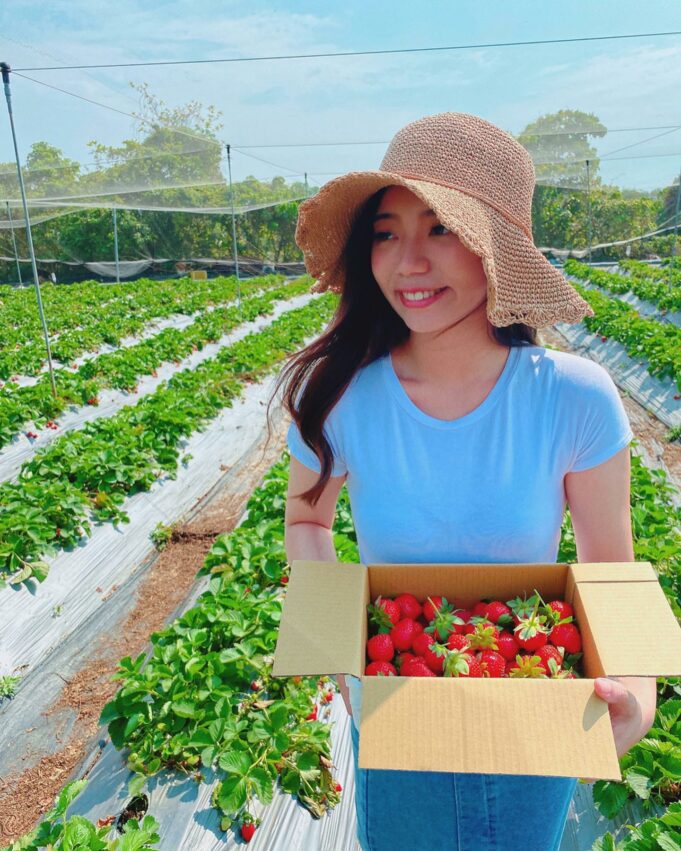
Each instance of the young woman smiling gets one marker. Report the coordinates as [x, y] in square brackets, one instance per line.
[460, 438]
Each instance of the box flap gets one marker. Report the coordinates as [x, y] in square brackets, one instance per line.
[632, 626]
[323, 621]
[628, 571]
[506, 726]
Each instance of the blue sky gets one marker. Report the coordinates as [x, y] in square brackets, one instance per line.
[627, 84]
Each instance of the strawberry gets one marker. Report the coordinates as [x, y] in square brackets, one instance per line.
[403, 634]
[508, 646]
[327, 697]
[384, 614]
[416, 668]
[375, 669]
[498, 612]
[409, 606]
[547, 654]
[525, 665]
[431, 607]
[457, 642]
[464, 615]
[562, 610]
[247, 831]
[445, 620]
[484, 636]
[380, 648]
[337, 787]
[312, 716]
[530, 632]
[403, 658]
[284, 580]
[492, 663]
[255, 685]
[480, 609]
[474, 666]
[422, 642]
[566, 635]
[434, 657]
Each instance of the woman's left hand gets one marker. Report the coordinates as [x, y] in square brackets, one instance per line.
[631, 703]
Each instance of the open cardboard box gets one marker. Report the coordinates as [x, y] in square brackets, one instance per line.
[492, 726]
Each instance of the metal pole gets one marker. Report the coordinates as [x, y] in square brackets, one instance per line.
[588, 207]
[14, 241]
[115, 223]
[676, 216]
[307, 189]
[231, 200]
[5, 69]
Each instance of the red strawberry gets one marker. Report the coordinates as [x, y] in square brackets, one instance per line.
[480, 609]
[508, 646]
[603, 339]
[431, 607]
[484, 636]
[435, 661]
[530, 632]
[375, 669]
[422, 642]
[457, 642]
[380, 648]
[312, 716]
[338, 788]
[416, 668]
[403, 634]
[547, 653]
[384, 614]
[255, 685]
[403, 658]
[284, 580]
[474, 666]
[566, 635]
[409, 606]
[493, 664]
[562, 609]
[247, 831]
[497, 610]
[465, 615]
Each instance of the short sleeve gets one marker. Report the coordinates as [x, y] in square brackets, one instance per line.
[603, 427]
[302, 452]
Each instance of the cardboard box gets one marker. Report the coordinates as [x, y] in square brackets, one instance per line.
[495, 726]
[199, 275]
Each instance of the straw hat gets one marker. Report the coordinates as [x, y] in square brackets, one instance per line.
[479, 182]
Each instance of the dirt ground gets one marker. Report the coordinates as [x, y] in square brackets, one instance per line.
[169, 580]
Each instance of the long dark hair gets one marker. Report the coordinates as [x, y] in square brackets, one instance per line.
[364, 328]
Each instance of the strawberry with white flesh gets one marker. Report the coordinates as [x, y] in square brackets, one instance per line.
[380, 648]
[384, 614]
[443, 624]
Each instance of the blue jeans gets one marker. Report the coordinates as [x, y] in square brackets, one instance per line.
[438, 811]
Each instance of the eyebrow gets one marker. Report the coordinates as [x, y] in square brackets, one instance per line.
[379, 216]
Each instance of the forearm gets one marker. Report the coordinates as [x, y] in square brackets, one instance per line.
[311, 542]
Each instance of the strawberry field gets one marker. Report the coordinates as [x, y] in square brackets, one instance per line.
[194, 744]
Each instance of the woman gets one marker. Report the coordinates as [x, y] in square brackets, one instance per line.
[459, 436]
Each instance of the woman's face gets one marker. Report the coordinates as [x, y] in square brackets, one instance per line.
[412, 254]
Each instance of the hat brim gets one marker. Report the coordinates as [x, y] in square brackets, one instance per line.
[522, 285]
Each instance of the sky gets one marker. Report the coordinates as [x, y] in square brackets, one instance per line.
[631, 85]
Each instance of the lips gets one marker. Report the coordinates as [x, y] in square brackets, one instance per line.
[422, 302]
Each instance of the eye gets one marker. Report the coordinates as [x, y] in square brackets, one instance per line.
[440, 230]
[381, 235]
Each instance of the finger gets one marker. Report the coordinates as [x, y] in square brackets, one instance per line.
[610, 691]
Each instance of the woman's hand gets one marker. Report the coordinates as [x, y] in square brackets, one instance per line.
[631, 703]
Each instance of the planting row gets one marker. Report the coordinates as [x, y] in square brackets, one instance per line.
[659, 344]
[659, 291]
[123, 368]
[669, 274]
[23, 347]
[86, 474]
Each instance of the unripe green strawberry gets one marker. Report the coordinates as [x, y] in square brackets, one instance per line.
[492, 663]
[380, 648]
[403, 634]
[508, 646]
[409, 606]
[416, 668]
[566, 635]
[375, 669]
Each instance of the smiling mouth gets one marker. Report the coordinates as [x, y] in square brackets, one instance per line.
[420, 295]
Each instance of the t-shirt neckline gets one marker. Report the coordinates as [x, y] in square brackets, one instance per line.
[491, 399]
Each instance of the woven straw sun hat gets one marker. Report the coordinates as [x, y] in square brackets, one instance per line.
[479, 182]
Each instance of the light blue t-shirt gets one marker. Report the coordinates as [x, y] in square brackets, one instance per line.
[486, 487]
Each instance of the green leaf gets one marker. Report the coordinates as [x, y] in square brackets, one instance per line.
[136, 785]
[263, 784]
[232, 795]
[69, 794]
[604, 843]
[236, 762]
[668, 842]
[609, 797]
[638, 781]
[184, 708]
[290, 781]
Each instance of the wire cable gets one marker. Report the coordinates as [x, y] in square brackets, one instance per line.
[353, 52]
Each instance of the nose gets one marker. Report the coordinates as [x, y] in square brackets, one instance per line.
[413, 259]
